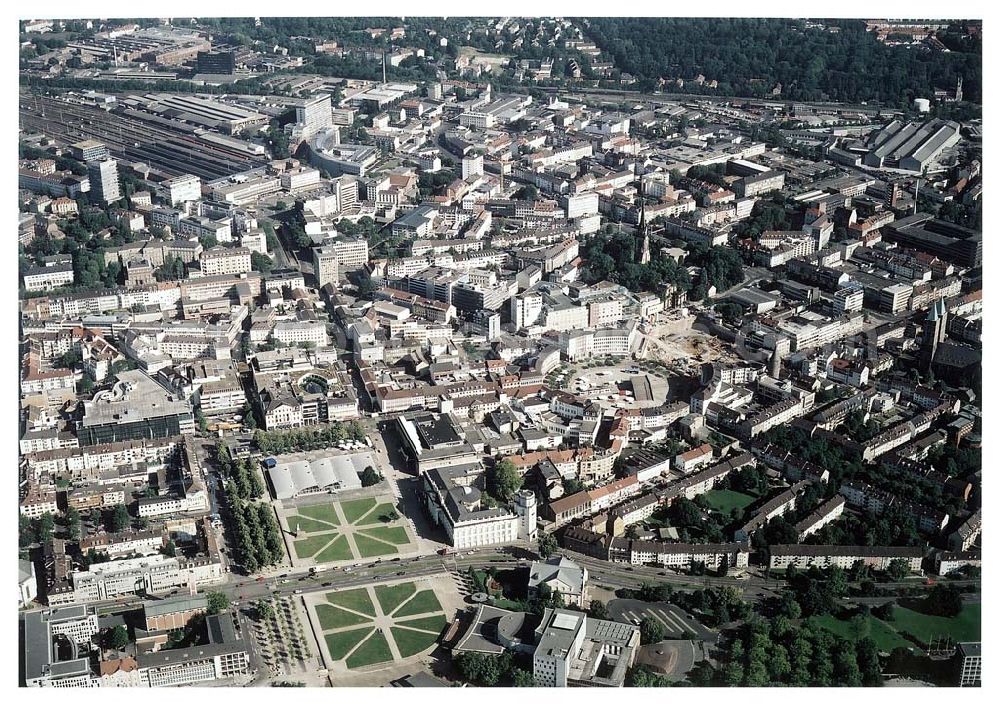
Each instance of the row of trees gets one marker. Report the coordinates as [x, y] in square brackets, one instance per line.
[308, 439]
[257, 538]
[246, 481]
[241, 477]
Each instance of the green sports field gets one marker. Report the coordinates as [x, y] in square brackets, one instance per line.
[725, 500]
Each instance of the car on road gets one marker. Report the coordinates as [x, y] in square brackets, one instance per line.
[401, 573]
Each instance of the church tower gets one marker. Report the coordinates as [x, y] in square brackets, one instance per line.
[643, 256]
[935, 329]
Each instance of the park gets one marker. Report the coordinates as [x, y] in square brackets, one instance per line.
[373, 625]
[341, 531]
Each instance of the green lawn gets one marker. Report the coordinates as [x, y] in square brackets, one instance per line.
[423, 602]
[300, 524]
[374, 650]
[966, 626]
[339, 550]
[724, 501]
[368, 546]
[374, 515]
[341, 643]
[353, 510]
[391, 597]
[356, 599]
[390, 534]
[410, 642]
[322, 512]
[433, 624]
[308, 547]
[331, 617]
[881, 633]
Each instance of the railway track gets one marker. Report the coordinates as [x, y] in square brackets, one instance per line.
[167, 149]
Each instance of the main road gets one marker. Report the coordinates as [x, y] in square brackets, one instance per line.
[243, 591]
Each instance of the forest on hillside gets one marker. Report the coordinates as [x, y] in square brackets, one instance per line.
[750, 56]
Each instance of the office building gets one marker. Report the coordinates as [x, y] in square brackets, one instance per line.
[351, 254]
[137, 407]
[88, 151]
[103, 175]
[225, 655]
[313, 115]
[472, 165]
[221, 260]
[59, 665]
[182, 188]
[574, 650]
[218, 63]
[326, 265]
[970, 664]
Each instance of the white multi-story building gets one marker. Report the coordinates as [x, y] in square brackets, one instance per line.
[573, 650]
[182, 188]
[221, 231]
[298, 179]
[313, 115]
[472, 165]
[525, 310]
[103, 175]
[47, 277]
[42, 666]
[293, 332]
[255, 241]
[566, 317]
[849, 298]
[829, 511]
[878, 557]
[221, 260]
[126, 577]
[224, 656]
[459, 511]
[351, 254]
[245, 191]
[580, 204]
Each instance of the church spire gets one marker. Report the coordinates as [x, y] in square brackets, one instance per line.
[643, 230]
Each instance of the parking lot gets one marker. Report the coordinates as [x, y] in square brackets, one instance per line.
[676, 622]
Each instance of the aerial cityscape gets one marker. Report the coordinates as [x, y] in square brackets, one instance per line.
[500, 352]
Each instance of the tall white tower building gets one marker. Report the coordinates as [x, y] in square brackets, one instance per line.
[527, 514]
[104, 185]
